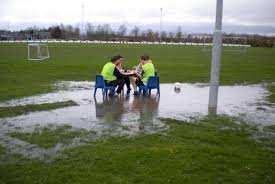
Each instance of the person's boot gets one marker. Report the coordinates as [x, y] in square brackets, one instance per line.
[128, 92]
[144, 93]
[136, 93]
[111, 94]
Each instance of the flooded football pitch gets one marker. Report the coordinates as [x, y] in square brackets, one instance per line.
[128, 116]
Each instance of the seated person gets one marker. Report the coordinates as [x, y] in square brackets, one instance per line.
[112, 75]
[148, 70]
[126, 74]
[138, 72]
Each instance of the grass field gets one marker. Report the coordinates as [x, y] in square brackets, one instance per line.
[48, 137]
[18, 77]
[187, 153]
[211, 150]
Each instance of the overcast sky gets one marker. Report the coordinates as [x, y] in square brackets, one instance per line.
[183, 12]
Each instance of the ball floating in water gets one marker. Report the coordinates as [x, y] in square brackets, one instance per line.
[177, 86]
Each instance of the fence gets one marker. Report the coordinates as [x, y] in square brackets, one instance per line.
[119, 42]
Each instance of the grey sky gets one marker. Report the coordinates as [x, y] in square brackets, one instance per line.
[184, 12]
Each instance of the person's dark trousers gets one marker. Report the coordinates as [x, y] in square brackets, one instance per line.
[128, 83]
[117, 82]
[139, 82]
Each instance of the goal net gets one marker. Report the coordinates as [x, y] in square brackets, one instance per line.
[230, 44]
[38, 51]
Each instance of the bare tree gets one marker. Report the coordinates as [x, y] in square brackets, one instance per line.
[55, 32]
[179, 34]
[135, 32]
[90, 31]
[163, 36]
[103, 32]
[150, 35]
[156, 36]
[122, 30]
[171, 36]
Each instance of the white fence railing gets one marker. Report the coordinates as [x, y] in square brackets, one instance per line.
[119, 42]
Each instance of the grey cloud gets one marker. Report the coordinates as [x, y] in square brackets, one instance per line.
[239, 15]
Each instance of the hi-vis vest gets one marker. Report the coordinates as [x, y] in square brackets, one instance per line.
[108, 71]
[148, 71]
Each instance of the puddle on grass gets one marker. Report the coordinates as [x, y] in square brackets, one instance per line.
[247, 102]
[133, 115]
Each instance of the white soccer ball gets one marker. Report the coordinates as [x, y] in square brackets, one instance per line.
[177, 86]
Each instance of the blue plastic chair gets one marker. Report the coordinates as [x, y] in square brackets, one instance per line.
[100, 84]
[153, 83]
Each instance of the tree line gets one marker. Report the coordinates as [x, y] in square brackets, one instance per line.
[105, 32]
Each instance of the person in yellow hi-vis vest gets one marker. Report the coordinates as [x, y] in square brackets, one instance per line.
[112, 75]
[148, 70]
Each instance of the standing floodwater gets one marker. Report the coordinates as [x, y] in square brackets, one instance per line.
[95, 113]
[128, 116]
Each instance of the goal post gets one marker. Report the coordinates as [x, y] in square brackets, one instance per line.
[235, 44]
[229, 44]
[38, 52]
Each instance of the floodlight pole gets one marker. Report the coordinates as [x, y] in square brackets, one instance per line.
[82, 31]
[160, 25]
[216, 58]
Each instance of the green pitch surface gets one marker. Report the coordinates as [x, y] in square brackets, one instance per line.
[208, 151]
[19, 77]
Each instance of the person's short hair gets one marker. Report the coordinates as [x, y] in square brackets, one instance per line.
[116, 57]
[145, 57]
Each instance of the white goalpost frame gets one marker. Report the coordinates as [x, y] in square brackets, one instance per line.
[227, 47]
[37, 47]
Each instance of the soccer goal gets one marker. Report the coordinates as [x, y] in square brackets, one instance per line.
[38, 52]
[230, 44]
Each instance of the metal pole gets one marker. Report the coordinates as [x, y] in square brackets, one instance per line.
[82, 31]
[216, 57]
[160, 25]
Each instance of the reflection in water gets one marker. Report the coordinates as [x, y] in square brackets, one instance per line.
[110, 109]
[147, 108]
[129, 116]
[115, 110]
[136, 115]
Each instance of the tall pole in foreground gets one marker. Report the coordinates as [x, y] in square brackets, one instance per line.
[160, 25]
[216, 58]
[82, 31]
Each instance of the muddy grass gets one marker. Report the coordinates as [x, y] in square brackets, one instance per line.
[2, 150]
[11, 111]
[201, 152]
[271, 96]
[270, 128]
[48, 137]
